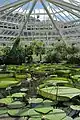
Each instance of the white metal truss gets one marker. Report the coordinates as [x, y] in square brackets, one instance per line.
[60, 18]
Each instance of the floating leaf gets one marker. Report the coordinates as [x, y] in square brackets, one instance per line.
[3, 110]
[16, 104]
[78, 118]
[20, 76]
[23, 112]
[57, 114]
[75, 107]
[18, 95]
[48, 103]
[4, 84]
[60, 93]
[6, 100]
[76, 76]
[35, 100]
[43, 110]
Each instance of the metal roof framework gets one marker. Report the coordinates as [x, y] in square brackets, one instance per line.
[57, 10]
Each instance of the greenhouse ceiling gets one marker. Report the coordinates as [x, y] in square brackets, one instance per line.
[49, 18]
[61, 10]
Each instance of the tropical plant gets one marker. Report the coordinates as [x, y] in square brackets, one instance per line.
[38, 48]
[16, 57]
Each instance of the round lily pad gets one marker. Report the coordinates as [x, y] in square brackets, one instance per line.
[76, 76]
[6, 100]
[43, 110]
[75, 107]
[16, 104]
[18, 95]
[3, 110]
[56, 114]
[5, 84]
[23, 112]
[48, 103]
[61, 93]
[20, 76]
[78, 118]
[35, 100]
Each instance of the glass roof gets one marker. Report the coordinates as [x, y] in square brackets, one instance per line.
[60, 10]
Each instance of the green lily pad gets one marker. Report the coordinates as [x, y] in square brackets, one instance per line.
[35, 100]
[63, 72]
[48, 103]
[78, 118]
[59, 78]
[60, 93]
[23, 112]
[5, 76]
[43, 110]
[7, 79]
[56, 82]
[57, 114]
[75, 76]
[4, 84]
[14, 112]
[20, 76]
[3, 110]
[75, 107]
[18, 95]
[6, 100]
[16, 104]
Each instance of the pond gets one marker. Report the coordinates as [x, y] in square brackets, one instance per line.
[40, 91]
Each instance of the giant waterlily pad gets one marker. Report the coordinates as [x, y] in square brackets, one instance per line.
[75, 107]
[57, 114]
[6, 100]
[18, 95]
[48, 103]
[63, 72]
[23, 76]
[35, 100]
[3, 110]
[4, 84]
[60, 93]
[56, 82]
[16, 104]
[59, 78]
[23, 112]
[43, 110]
[7, 79]
[76, 77]
[78, 118]
[5, 76]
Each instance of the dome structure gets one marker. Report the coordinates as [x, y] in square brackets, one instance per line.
[45, 20]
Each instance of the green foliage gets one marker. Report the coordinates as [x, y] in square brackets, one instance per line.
[38, 48]
[17, 56]
[73, 59]
[53, 57]
[62, 52]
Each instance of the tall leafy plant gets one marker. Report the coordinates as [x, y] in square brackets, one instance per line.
[38, 48]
